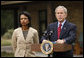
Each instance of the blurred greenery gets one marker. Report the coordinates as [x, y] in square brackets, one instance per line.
[5, 42]
[7, 22]
[5, 54]
[8, 34]
[6, 38]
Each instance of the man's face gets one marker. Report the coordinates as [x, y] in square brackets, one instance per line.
[60, 14]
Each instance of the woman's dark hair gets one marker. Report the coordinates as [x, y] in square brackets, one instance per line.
[26, 14]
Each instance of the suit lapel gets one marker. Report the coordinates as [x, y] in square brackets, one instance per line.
[29, 34]
[55, 29]
[21, 33]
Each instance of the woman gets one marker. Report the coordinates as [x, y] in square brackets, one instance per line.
[24, 36]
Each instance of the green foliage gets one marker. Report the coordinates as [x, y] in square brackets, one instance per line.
[5, 54]
[8, 34]
[7, 22]
[5, 42]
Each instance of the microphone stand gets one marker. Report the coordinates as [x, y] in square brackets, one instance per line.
[49, 35]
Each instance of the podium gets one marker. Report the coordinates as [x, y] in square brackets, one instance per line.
[56, 47]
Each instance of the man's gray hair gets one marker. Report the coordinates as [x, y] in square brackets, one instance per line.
[65, 9]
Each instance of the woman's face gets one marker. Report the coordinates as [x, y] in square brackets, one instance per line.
[24, 20]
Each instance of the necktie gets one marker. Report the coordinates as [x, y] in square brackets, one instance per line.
[59, 30]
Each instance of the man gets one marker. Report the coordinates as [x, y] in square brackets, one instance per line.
[63, 32]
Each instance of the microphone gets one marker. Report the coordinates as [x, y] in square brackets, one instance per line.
[50, 33]
[45, 33]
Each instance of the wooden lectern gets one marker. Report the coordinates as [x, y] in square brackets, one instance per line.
[56, 47]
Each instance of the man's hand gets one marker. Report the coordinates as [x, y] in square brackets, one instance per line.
[60, 41]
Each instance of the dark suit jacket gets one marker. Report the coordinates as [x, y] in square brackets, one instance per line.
[68, 32]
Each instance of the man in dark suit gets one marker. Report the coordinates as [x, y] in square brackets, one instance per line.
[62, 32]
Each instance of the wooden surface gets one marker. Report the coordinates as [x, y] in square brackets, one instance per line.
[56, 47]
[36, 47]
[62, 47]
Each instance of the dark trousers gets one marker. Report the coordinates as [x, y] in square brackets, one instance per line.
[63, 54]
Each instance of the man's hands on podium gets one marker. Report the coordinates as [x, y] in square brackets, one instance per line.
[60, 41]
